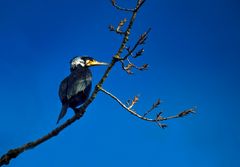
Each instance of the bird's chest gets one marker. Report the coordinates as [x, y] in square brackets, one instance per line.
[79, 83]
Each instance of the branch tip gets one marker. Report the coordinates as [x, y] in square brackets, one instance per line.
[79, 112]
[163, 126]
[133, 102]
[121, 8]
[187, 112]
[111, 28]
[155, 105]
[139, 53]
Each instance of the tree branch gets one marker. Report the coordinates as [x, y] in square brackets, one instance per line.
[128, 30]
[141, 41]
[131, 65]
[121, 8]
[139, 4]
[125, 107]
[157, 119]
[13, 153]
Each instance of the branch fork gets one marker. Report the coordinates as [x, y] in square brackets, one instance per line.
[158, 119]
[131, 52]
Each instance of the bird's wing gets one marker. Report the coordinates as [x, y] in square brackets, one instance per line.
[63, 88]
[78, 82]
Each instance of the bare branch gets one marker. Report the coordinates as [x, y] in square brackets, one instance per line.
[126, 68]
[13, 153]
[139, 53]
[158, 118]
[121, 23]
[111, 28]
[121, 8]
[143, 37]
[161, 125]
[155, 105]
[130, 52]
[141, 68]
[187, 112]
[181, 114]
[133, 102]
[130, 65]
[118, 29]
[125, 107]
[139, 4]
[140, 41]
[128, 31]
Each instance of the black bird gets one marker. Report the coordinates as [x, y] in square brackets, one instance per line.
[75, 88]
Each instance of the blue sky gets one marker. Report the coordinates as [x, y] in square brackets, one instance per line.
[193, 52]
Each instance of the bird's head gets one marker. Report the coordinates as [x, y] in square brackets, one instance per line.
[84, 61]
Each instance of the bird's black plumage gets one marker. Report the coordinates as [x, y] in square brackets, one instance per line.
[74, 90]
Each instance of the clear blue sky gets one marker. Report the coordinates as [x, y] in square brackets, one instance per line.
[193, 52]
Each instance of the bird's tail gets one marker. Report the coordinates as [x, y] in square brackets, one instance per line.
[63, 112]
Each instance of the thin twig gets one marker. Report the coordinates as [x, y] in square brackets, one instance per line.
[127, 108]
[138, 6]
[140, 41]
[118, 29]
[133, 102]
[141, 68]
[155, 105]
[13, 153]
[128, 31]
[158, 117]
[121, 8]
[131, 65]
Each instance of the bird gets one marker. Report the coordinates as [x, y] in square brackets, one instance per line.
[74, 90]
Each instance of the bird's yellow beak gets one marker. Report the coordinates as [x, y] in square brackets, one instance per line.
[95, 63]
